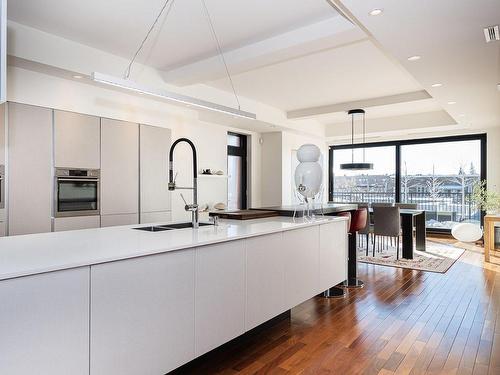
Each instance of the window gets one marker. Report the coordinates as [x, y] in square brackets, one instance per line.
[237, 171]
[376, 185]
[436, 174]
[439, 178]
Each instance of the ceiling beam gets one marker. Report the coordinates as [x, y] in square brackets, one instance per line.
[326, 34]
[365, 103]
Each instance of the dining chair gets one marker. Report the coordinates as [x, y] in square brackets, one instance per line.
[368, 228]
[386, 223]
[409, 206]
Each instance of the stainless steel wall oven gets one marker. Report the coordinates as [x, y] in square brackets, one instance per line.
[76, 192]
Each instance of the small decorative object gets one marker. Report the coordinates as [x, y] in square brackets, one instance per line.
[220, 206]
[467, 232]
[206, 171]
[484, 199]
[219, 173]
[308, 174]
[203, 208]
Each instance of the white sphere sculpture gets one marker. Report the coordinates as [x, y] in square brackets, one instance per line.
[308, 174]
[467, 232]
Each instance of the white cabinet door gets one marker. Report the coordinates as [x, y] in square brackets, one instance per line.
[142, 314]
[119, 167]
[44, 324]
[76, 140]
[332, 254]
[77, 222]
[301, 264]
[114, 220]
[219, 294]
[30, 169]
[2, 133]
[154, 147]
[265, 269]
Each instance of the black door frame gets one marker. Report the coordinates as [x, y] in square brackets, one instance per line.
[482, 137]
[242, 152]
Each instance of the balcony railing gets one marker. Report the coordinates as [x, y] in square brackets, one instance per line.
[444, 208]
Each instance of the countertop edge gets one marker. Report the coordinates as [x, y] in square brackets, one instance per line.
[139, 254]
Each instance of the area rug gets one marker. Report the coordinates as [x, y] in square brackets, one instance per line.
[438, 257]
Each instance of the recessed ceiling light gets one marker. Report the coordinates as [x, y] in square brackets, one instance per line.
[376, 12]
[76, 76]
[414, 58]
[437, 85]
[452, 102]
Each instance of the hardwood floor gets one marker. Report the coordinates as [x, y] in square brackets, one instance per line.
[402, 322]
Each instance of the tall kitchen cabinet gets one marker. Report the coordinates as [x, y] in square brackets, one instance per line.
[2, 170]
[119, 173]
[30, 169]
[154, 195]
[76, 145]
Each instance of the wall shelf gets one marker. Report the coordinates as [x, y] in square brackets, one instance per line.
[212, 176]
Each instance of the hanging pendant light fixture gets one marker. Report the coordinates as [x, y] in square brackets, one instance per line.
[352, 165]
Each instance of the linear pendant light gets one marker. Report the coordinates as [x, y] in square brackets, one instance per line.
[126, 84]
[352, 166]
[170, 96]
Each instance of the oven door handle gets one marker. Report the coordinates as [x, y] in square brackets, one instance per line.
[78, 179]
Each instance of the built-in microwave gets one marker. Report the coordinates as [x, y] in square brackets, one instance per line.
[2, 186]
[76, 192]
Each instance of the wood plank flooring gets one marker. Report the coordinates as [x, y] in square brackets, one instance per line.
[402, 322]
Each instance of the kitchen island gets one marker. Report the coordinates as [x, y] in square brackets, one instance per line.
[123, 301]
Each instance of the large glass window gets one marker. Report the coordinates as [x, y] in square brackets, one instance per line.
[439, 178]
[376, 185]
[435, 174]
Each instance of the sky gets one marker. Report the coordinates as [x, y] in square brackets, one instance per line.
[446, 158]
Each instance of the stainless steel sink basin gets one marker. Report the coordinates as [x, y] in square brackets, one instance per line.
[161, 228]
[182, 225]
[153, 229]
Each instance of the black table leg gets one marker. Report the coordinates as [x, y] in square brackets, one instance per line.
[352, 264]
[420, 231]
[407, 224]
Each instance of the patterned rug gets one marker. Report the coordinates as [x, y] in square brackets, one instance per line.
[438, 257]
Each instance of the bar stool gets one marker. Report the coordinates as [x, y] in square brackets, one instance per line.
[359, 221]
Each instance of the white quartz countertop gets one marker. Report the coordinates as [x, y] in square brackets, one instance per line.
[46, 252]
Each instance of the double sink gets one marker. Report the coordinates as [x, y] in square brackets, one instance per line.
[161, 228]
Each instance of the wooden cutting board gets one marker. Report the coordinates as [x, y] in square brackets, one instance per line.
[244, 214]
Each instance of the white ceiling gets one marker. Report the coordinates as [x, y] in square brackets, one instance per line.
[295, 54]
[448, 35]
[118, 26]
[341, 74]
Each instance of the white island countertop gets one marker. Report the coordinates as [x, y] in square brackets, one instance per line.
[46, 252]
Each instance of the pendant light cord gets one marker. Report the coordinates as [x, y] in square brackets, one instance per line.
[219, 49]
[127, 71]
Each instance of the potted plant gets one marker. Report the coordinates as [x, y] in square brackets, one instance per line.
[484, 199]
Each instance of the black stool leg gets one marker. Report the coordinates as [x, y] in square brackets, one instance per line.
[352, 265]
